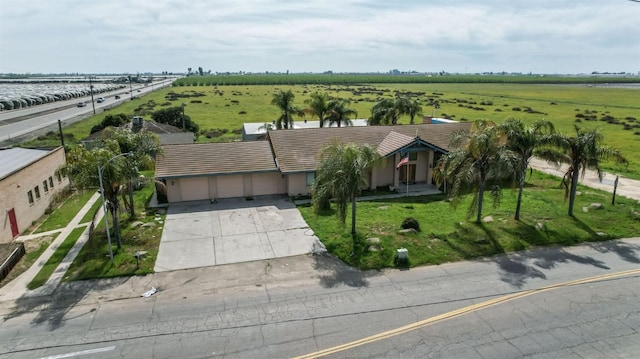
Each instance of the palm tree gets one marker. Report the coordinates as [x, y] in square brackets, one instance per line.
[144, 146]
[383, 112]
[580, 152]
[340, 175]
[284, 101]
[338, 112]
[318, 106]
[413, 109]
[480, 159]
[82, 167]
[523, 140]
[388, 111]
[435, 104]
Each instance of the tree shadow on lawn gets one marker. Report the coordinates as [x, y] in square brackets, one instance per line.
[518, 267]
[333, 272]
[53, 308]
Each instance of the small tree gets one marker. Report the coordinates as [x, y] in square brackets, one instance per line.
[318, 106]
[284, 101]
[582, 151]
[341, 173]
[175, 116]
[479, 159]
[523, 140]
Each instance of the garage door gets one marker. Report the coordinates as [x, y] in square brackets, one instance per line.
[193, 189]
[230, 186]
[267, 183]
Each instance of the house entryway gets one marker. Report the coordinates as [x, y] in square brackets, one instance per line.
[407, 173]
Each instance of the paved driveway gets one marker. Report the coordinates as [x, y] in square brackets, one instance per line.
[200, 233]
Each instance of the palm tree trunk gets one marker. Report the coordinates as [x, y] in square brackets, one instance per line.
[574, 187]
[353, 215]
[520, 190]
[132, 212]
[480, 198]
[116, 227]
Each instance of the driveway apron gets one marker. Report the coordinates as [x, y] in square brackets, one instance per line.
[200, 233]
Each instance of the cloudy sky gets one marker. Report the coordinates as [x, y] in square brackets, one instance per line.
[118, 36]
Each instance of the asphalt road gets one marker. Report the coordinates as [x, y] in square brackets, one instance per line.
[18, 125]
[533, 303]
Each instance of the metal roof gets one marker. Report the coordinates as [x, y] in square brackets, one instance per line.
[14, 159]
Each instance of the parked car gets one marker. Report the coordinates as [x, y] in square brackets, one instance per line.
[100, 99]
[117, 97]
[81, 104]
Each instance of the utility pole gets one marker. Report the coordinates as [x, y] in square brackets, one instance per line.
[93, 104]
[61, 136]
[130, 88]
[183, 127]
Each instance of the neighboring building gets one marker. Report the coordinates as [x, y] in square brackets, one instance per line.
[28, 183]
[286, 162]
[167, 134]
[258, 130]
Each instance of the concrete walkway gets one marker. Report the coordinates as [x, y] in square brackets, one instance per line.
[17, 288]
[626, 187]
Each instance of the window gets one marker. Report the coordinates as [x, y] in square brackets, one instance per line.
[30, 195]
[45, 187]
[58, 177]
[413, 156]
[311, 176]
[37, 191]
[50, 182]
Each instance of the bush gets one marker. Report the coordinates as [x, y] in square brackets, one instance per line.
[410, 223]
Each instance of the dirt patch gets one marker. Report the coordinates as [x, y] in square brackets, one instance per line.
[30, 246]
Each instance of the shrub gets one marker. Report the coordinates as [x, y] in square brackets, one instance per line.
[410, 223]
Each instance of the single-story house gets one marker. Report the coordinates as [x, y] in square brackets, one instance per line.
[28, 184]
[286, 162]
[167, 134]
[252, 131]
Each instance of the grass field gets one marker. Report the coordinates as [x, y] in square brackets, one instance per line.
[221, 110]
[446, 235]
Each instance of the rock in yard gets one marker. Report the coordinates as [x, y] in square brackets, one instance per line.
[373, 240]
[596, 206]
[136, 224]
[487, 219]
[149, 224]
[539, 226]
[383, 207]
[373, 248]
[408, 230]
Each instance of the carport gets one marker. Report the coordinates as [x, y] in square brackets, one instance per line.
[201, 233]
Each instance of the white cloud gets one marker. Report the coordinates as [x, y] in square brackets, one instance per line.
[316, 35]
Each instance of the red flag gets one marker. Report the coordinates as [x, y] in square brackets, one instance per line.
[403, 161]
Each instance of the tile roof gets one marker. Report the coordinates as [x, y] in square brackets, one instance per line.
[215, 159]
[392, 142]
[296, 150]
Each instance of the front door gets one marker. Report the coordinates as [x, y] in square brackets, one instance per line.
[13, 222]
[408, 172]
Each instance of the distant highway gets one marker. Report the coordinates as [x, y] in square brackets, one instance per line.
[23, 124]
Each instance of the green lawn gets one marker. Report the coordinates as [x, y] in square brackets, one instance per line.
[93, 260]
[447, 235]
[62, 215]
[57, 257]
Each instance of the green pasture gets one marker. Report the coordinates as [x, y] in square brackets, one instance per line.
[221, 110]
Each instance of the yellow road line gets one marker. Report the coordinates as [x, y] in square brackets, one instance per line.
[460, 312]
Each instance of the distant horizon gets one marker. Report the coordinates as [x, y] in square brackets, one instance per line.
[389, 73]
